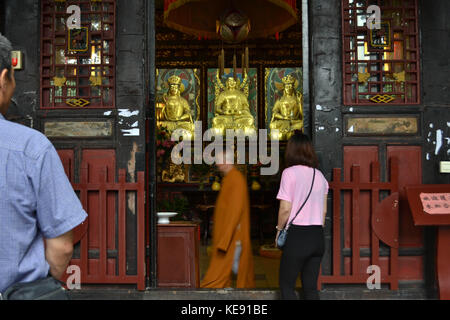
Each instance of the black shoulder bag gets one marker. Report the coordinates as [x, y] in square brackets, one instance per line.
[281, 241]
[44, 289]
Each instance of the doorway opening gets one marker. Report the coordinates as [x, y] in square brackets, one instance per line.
[191, 64]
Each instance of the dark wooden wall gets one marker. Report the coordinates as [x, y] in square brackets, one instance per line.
[435, 36]
[418, 159]
[2, 17]
[435, 42]
[22, 21]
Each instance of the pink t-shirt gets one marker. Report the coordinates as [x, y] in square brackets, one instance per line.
[295, 185]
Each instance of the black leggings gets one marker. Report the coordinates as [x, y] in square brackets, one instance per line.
[302, 253]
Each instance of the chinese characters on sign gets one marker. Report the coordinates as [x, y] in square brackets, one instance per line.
[436, 203]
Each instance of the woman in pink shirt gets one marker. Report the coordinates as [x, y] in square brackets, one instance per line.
[304, 246]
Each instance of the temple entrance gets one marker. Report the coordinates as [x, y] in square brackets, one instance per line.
[108, 93]
[196, 77]
[344, 136]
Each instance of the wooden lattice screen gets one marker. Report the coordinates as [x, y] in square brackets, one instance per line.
[381, 66]
[78, 66]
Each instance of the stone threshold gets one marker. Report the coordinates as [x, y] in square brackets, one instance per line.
[355, 292]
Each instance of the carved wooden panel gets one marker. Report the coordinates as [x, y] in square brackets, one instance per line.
[387, 72]
[71, 78]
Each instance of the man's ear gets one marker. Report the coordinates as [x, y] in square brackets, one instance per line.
[4, 77]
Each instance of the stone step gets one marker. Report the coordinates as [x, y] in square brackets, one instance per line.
[338, 293]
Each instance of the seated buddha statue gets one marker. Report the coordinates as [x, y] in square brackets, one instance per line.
[232, 110]
[176, 113]
[287, 113]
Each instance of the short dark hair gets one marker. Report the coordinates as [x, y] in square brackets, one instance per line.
[5, 55]
[300, 151]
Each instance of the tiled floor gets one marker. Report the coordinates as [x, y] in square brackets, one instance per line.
[266, 269]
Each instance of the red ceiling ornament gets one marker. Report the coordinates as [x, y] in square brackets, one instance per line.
[207, 18]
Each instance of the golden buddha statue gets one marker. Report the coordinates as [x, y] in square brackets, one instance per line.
[287, 113]
[176, 113]
[232, 110]
[175, 173]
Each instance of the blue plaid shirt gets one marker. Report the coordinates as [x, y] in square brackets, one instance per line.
[37, 201]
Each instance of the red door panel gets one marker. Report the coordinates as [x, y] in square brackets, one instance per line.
[362, 156]
[68, 160]
[410, 172]
[98, 165]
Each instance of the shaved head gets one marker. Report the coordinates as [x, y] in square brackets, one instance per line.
[224, 161]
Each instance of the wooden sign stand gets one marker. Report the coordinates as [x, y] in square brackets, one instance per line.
[442, 221]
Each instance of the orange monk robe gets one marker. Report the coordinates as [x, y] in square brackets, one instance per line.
[231, 224]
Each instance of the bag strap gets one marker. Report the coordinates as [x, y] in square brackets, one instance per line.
[312, 184]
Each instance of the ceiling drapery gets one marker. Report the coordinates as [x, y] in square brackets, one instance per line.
[199, 17]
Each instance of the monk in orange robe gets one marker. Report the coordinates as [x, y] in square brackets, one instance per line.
[231, 234]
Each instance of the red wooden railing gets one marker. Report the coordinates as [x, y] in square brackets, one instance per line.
[383, 227]
[102, 269]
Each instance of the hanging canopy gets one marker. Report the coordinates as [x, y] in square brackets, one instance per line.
[199, 17]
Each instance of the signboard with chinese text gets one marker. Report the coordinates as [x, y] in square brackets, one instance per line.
[435, 203]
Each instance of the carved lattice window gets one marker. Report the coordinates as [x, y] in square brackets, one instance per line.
[78, 66]
[381, 66]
